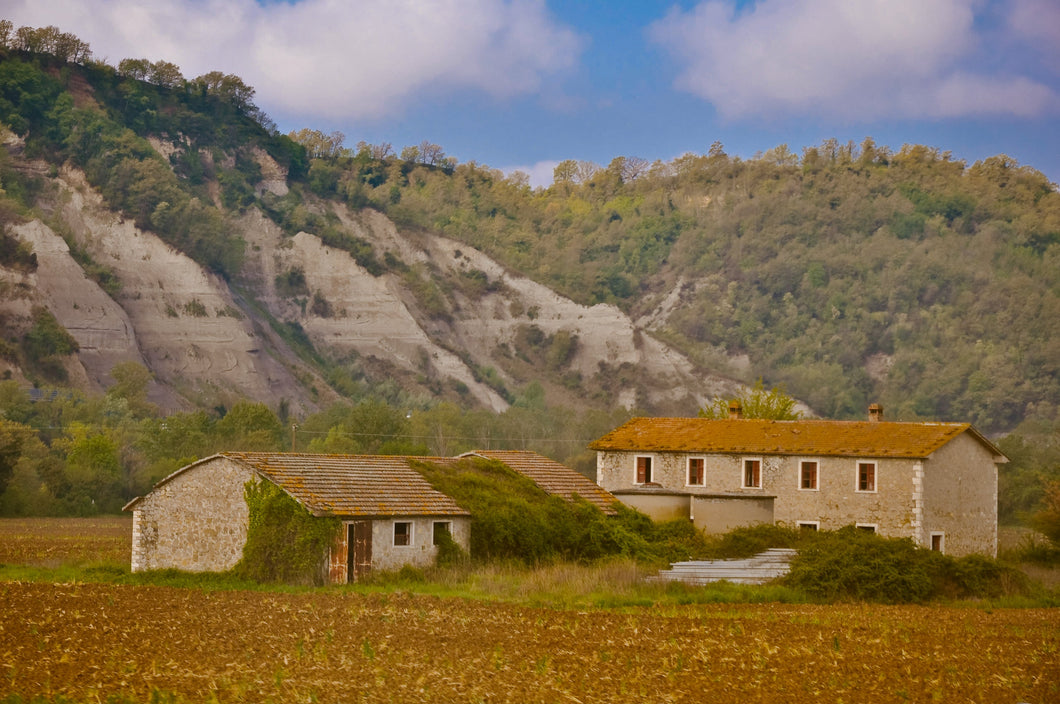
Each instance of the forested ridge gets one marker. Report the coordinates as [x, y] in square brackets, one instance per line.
[847, 273]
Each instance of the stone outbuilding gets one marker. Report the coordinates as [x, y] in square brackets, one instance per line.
[196, 518]
[935, 483]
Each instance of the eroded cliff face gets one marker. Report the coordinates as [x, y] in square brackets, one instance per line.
[211, 341]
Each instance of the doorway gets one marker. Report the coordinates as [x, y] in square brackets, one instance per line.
[359, 550]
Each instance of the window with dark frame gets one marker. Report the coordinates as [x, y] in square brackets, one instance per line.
[807, 525]
[866, 476]
[868, 528]
[937, 542]
[808, 474]
[644, 470]
[695, 471]
[441, 529]
[402, 533]
[752, 474]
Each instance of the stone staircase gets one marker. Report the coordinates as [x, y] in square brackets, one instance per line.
[759, 569]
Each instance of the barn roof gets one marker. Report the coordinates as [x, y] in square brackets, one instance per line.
[794, 437]
[353, 485]
[552, 477]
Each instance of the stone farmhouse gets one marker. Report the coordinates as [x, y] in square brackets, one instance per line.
[935, 483]
[196, 518]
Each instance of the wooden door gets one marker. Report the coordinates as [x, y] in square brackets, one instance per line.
[359, 550]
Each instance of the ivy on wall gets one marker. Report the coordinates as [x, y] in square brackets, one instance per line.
[285, 543]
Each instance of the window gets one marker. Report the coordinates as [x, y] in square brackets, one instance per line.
[867, 527]
[938, 542]
[643, 470]
[808, 475]
[442, 529]
[866, 476]
[402, 533]
[695, 471]
[809, 525]
[752, 474]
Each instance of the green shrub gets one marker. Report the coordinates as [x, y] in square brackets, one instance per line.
[747, 541]
[853, 564]
[859, 565]
[514, 519]
[285, 543]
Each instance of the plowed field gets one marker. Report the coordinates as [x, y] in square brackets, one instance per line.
[87, 642]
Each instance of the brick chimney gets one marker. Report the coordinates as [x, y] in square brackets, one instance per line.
[735, 410]
[875, 413]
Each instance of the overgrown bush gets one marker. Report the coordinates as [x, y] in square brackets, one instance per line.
[748, 541]
[514, 519]
[285, 543]
[853, 564]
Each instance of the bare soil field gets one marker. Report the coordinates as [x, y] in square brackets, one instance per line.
[88, 642]
[51, 542]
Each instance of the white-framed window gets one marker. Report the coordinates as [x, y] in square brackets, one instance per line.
[809, 525]
[865, 476]
[696, 471]
[867, 527]
[938, 542]
[752, 473]
[644, 467]
[403, 533]
[809, 475]
[441, 529]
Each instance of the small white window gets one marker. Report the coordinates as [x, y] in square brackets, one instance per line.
[752, 474]
[402, 533]
[644, 470]
[695, 471]
[809, 525]
[938, 542]
[866, 476]
[808, 475]
[867, 527]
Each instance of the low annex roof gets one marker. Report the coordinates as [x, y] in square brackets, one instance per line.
[553, 477]
[775, 437]
[353, 485]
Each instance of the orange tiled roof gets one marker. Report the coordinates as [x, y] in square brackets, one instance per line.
[769, 437]
[553, 477]
[353, 485]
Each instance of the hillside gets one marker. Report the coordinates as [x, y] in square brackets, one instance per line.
[167, 224]
[232, 300]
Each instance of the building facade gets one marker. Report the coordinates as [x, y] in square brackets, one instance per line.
[935, 483]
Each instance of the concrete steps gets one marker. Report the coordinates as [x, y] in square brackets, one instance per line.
[759, 569]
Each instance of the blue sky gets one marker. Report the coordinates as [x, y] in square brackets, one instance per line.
[527, 83]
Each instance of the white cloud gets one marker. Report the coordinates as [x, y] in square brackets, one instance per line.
[857, 60]
[1038, 23]
[540, 173]
[328, 58]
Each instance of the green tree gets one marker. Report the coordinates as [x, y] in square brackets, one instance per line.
[12, 437]
[1047, 519]
[772, 404]
[250, 427]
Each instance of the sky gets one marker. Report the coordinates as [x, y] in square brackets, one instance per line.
[524, 84]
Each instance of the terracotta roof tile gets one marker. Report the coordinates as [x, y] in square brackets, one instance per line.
[553, 477]
[768, 437]
[353, 485]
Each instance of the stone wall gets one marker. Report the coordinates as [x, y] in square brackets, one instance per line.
[195, 520]
[834, 504]
[960, 498]
[421, 552]
[717, 515]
